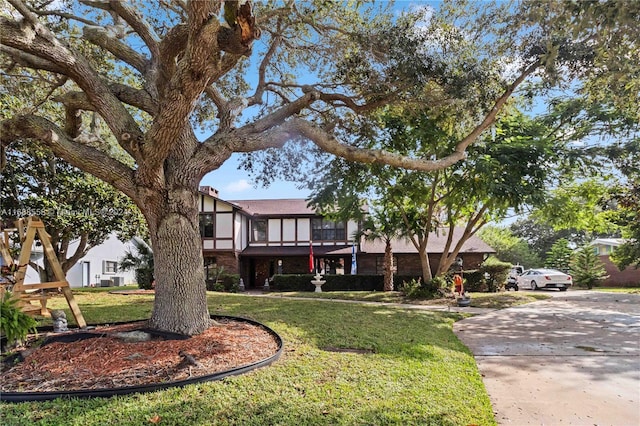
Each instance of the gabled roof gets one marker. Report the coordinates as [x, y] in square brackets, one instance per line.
[436, 244]
[281, 207]
[615, 242]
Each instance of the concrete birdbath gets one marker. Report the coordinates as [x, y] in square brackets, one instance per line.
[318, 281]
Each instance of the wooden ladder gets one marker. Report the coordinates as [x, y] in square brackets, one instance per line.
[25, 292]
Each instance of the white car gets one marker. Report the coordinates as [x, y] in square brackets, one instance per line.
[544, 278]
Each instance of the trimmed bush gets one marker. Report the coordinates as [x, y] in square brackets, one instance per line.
[474, 280]
[416, 289]
[302, 282]
[498, 272]
[144, 278]
[229, 283]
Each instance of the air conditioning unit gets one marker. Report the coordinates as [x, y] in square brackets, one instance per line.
[118, 281]
[106, 283]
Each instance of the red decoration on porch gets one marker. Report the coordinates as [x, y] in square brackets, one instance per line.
[311, 262]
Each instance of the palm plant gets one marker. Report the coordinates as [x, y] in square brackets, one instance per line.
[140, 259]
[379, 227]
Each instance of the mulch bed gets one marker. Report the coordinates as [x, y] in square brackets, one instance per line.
[107, 361]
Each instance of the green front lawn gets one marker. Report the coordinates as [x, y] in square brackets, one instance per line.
[478, 300]
[400, 367]
[629, 290]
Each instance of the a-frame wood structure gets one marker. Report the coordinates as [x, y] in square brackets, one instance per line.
[25, 291]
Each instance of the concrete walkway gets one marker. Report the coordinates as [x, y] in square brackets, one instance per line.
[570, 360]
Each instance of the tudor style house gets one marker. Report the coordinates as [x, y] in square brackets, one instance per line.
[260, 238]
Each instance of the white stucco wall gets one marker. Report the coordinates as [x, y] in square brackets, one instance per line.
[87, 270]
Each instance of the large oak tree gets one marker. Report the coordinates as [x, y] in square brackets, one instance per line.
[186, 90]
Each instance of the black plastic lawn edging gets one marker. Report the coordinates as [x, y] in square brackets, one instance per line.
[106, 393]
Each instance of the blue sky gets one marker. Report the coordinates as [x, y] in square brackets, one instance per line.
[234, 184]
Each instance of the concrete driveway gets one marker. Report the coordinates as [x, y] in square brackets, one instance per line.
[570, 360]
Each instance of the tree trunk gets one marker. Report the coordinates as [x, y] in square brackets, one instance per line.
[426, 266]
[180, 301]
[388, 266]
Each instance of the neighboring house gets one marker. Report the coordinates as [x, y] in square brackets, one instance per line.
[260, 238]
[629, 277]
[98, 268]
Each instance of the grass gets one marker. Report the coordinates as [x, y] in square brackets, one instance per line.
[629, 290]
[478, 300]
[409, 369]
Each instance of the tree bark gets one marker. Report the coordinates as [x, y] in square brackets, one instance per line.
[180, 301]
[426, 266]
[388, 266]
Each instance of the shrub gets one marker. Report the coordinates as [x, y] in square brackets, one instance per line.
[416, 289]
[14, 323]
[302, 282]
[140, 259]
[144, 278]
[224, 282]
[474, 280]
[498, 272]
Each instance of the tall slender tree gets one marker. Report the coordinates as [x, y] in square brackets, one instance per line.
[585, 267]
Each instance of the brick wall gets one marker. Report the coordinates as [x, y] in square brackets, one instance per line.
[630, 277]
[409, 264]
[229, 261]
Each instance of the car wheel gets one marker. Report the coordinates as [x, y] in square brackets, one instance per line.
[534, 286]
[563, 289]
[515, 288]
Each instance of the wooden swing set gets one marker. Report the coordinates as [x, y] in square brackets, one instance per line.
[27, 230]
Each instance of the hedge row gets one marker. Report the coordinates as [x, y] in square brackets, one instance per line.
[302, 282]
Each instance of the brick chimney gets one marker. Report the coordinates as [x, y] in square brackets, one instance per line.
[209, 191]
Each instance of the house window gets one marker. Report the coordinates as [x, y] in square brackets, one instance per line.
[210, 268]
[206, 225]
[327, 230]
[259, 230]
[109, 267]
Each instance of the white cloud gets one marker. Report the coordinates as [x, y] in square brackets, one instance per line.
[238, 186]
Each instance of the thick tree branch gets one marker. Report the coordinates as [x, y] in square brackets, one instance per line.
[219, 147]
[80, 252]
[82, 156]
[278, 116]
[173, 43]
[127, 12]
[28, 39]
[30, 61]
[134, 97]
[197, 67]
[103, 38]
[331, 144]
[497, 107]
